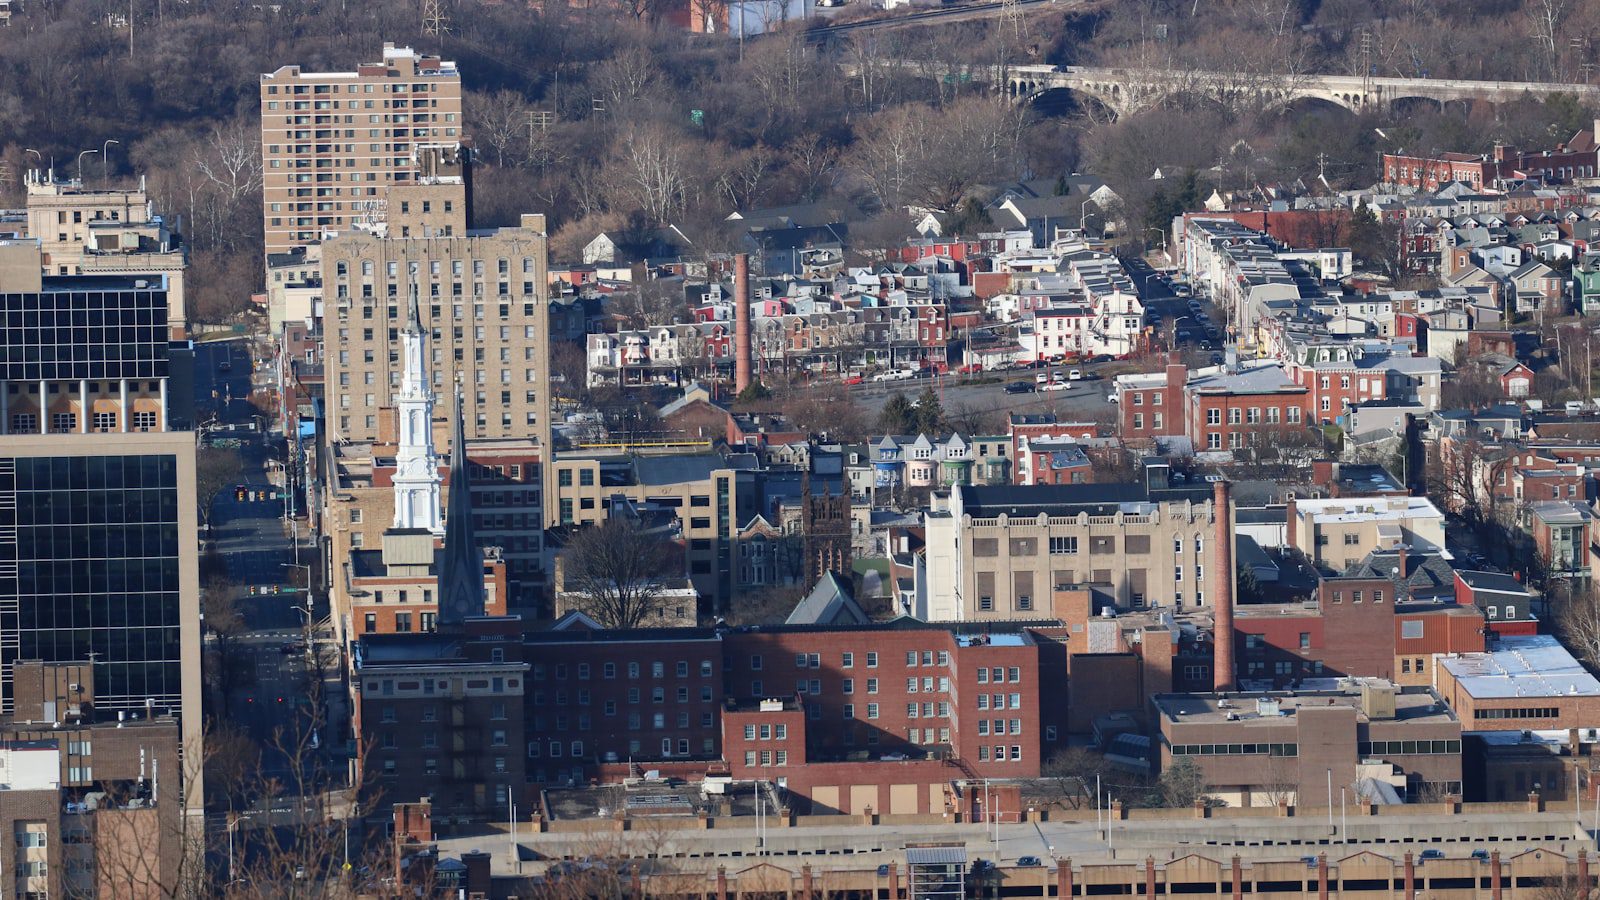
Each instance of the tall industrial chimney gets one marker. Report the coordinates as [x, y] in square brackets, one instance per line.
[1222, 514]
[741, 322]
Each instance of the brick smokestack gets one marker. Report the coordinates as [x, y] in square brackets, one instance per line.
[1222, 662]
[741, 322]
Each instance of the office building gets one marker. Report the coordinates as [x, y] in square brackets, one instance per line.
[1521, 683]
[98, 539]
[1388, 743]
[332, 143]
[1001, 552]
[884, 715]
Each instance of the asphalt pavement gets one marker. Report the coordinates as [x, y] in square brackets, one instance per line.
[269, 694]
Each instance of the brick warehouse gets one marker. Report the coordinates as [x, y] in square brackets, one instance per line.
[901, 703]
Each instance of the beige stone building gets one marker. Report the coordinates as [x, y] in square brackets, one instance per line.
[712, 498]
[481, 298]
[1002, 552]
[1336, 533]
[333, 142]
[106, 232]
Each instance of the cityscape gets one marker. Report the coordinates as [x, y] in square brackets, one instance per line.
[752, 449]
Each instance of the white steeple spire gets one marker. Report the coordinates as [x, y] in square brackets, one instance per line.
[416, 471]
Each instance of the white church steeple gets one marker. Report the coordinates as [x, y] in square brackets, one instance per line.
[416, 472]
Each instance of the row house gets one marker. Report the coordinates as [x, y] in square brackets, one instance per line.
[1571, 160]
[918, 461]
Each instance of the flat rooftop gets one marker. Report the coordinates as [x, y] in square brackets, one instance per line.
[655, 799]
[1368, 509]
[1412, 704]
[1523, 666]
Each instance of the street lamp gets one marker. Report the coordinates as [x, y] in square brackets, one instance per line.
[80, 162]
[1083, 219]
[105, 162]
[1163, 234]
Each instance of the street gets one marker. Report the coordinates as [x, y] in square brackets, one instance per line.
[268, 694]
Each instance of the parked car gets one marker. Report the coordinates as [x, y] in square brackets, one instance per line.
[1075, 375]
[1055, 386]
[853, 379]
[1028, 862]
[1432, 853]
[1020, 387]
[1042, 378]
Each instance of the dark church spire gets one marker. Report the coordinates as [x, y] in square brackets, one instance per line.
[460, 565]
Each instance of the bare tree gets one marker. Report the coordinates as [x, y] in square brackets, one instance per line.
[1577, 614]
[813, 164]
[1072, 774]
[499, 122]
[215, 469]
[618, 570]
[652, 171]
[229, 159]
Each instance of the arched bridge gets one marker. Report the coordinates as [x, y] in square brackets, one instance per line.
[1126, 91]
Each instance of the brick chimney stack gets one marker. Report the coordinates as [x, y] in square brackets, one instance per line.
[741, 322]
[1222, 515]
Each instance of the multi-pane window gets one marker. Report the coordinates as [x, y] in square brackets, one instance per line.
[121, 512]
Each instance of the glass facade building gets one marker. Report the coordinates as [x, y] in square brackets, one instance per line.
[90, 570]
[84, 327]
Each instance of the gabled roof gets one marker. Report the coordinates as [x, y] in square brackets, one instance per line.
[831, 602]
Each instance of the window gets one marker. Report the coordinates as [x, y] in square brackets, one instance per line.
[755, 663]
[872, 685]
[1063, 545]
[872, 663]
[872, 710]
[1305, 640]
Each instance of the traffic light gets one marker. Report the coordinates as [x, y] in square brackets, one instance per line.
[252, 590]
[238, 493]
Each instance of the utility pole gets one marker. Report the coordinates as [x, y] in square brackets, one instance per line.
[540, 119]
[1366, 65]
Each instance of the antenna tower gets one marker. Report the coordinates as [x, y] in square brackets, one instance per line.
[434, 22]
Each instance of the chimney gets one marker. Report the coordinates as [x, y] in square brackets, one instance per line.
[1291, 527]
[741, 322]
[1222, 660]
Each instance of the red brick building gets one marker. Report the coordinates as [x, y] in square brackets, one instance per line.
[1150, 405]
[1216, 409]
[1355, 628]
[1569, 161]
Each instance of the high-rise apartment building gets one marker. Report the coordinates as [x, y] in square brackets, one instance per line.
[98, 538]
[333, 142]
